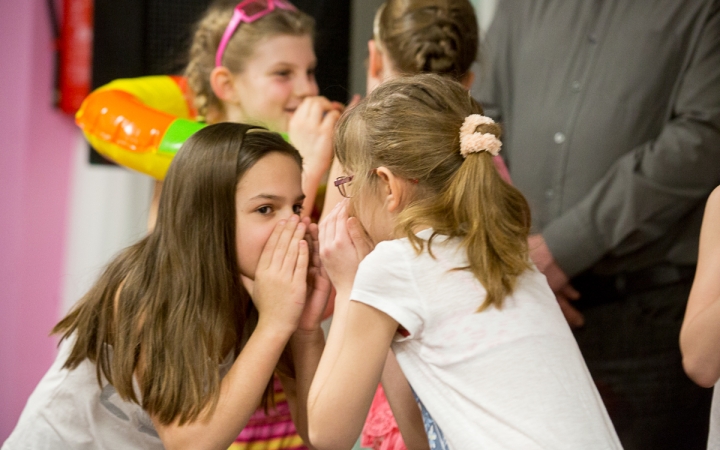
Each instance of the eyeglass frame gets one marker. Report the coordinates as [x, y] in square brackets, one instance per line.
[341, 181]
[239, 16]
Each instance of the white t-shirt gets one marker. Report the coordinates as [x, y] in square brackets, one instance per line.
[510, 378]
[69, 410]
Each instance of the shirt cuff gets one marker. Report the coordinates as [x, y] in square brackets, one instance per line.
[573, 243]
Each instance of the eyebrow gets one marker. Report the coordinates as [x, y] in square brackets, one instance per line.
[286, 64]
[274, 197]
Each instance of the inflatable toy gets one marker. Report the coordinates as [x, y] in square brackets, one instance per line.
[139, 123]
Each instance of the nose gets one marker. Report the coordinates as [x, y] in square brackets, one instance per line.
[306, 86]
[285, 214]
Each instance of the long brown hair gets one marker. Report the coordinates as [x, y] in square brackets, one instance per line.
[411, 125]
[428, 36]
[181, 307]
[206, 39]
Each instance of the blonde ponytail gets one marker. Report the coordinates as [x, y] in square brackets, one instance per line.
[411, 126]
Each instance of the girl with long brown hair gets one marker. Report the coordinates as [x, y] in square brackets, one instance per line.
[449, 285]
[176, 344]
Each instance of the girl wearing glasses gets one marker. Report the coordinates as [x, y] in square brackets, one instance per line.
[449, 287]
[177, 342]
[412, 37]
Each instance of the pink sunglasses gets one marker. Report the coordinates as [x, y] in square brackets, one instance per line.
[248, 11]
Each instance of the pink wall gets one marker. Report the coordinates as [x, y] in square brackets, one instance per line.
[36, 144]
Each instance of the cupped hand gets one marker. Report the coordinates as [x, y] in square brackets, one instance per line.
[343, 244]
[280, 285]
[311, 131]
[318, 284]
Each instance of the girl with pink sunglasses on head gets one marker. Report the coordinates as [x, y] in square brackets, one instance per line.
[251, 62]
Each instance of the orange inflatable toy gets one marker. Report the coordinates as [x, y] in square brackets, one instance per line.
[139, 123]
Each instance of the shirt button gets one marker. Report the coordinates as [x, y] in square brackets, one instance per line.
[592, 38]
[575, 86]
[549, 194]
[559, 138]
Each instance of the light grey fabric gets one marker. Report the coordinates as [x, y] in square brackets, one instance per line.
[611, 111]
[714, 436]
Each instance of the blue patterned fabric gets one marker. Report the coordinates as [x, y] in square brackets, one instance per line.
[436, 439]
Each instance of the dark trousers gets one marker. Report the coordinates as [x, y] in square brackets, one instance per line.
[630, 344]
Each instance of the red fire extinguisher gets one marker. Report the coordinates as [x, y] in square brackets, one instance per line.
[75, 54]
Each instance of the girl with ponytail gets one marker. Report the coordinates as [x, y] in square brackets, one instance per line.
[428, 255]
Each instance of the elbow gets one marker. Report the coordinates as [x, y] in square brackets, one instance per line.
[328, 441]
[699, 371]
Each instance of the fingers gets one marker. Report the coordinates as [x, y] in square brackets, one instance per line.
[301, 263]
[362, 242]
[327, 227]
[574, 317]
[329, 121]
[569, 292]
[266, 256]
[289, 244]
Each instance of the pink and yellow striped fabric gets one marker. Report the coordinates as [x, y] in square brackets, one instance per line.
[272, 431]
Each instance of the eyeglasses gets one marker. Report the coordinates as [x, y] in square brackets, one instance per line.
[342, 182]
[248, 11]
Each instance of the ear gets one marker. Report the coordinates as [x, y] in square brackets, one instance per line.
[468, 79]
[393, 189]
[222, 83]
[374, 66]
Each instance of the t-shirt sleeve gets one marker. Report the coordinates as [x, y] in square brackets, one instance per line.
[385, 281]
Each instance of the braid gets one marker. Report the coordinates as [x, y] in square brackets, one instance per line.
[205, 42]
[429, 36]
[437, 50]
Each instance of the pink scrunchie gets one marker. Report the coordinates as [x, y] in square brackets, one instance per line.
[472, 142]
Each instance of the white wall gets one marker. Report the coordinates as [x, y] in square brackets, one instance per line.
[108, 211]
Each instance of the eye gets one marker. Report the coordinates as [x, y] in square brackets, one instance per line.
[264, 210]
[297, 209]
[311, 73]
[283, 73]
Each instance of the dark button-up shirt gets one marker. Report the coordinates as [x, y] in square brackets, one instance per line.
[611, 111]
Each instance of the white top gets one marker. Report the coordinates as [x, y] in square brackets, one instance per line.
[69, 410]
[500, 379]
[714, 436]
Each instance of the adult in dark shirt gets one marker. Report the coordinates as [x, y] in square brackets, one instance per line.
[611, 112]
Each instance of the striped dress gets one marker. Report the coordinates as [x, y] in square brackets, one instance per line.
[272, 431]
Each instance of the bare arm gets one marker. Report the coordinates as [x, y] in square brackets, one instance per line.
[403, 405]
[308, 341]
[700, 333]
[332, 195]
[344, 385]
[311, 132]
[358, 341]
